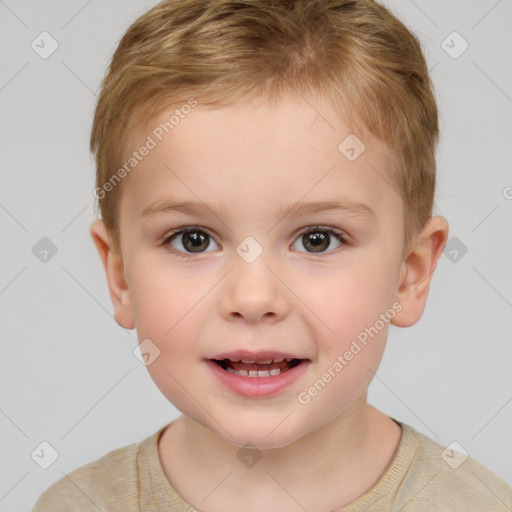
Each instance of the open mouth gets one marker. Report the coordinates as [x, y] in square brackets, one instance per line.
[270, 368]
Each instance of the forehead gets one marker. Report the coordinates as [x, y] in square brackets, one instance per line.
[250, 157]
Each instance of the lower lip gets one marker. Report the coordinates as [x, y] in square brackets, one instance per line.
[257, 387]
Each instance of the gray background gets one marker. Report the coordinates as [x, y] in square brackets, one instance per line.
[68, 373]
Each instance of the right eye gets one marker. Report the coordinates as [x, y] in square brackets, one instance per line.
[190, 240]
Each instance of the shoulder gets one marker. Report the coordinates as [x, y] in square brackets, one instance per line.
[447, 479]
[110, 483]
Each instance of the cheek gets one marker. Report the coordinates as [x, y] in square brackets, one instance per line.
[157, 309]
[347, 323]
[168, 311]
[163, 298]
[343, 302]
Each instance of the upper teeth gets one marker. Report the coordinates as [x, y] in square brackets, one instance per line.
[254, 373]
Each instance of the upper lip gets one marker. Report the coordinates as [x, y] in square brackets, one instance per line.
[247, 355]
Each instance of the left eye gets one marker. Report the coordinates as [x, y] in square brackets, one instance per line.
[319, 239]
[192, 240]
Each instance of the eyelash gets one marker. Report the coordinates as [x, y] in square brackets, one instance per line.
[339, 235]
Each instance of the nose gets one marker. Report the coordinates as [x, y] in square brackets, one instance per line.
[253, 292]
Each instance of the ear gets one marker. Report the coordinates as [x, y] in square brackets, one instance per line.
[417, 270]
[113, 264]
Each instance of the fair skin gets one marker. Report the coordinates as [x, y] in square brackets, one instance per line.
[253, 159]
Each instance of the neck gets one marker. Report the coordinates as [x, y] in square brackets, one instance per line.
[326, 469]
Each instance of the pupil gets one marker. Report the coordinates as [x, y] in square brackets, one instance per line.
[316, 240]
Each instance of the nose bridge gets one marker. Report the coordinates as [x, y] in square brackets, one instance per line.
[252, 291]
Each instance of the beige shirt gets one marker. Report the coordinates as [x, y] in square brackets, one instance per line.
[418, 479]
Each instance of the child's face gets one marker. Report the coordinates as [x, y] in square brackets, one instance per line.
[305, 296]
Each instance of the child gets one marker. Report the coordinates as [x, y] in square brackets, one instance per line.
[266, 174]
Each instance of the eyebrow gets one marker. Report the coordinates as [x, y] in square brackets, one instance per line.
[296, 209]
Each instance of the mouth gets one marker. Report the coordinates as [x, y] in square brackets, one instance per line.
[264, 368]
[262, 374]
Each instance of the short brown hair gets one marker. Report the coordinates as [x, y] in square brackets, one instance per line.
[355, 52]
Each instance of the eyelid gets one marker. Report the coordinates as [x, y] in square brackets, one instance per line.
[185, 229]
[330, 229]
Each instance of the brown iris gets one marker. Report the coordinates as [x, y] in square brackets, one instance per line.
[317, 240]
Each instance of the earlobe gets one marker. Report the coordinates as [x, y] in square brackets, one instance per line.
[112, 261]
[417, 270]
